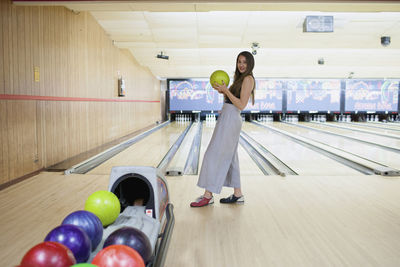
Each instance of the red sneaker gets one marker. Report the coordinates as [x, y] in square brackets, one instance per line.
[202, 201]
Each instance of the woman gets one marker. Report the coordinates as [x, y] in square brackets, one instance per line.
[221, 163]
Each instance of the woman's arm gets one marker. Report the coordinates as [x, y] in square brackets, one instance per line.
[247, 88]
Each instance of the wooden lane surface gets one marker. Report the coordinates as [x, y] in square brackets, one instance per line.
[247, 165]
[373, 128]
[301, 159]
[359, 135]
[31, 209]
[206, 135]
[147, 152]
[297, 221]
[389, 125]
[381, 156]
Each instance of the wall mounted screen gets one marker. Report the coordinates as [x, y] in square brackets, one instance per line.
[268, 96]
[372, 95]
[313, 95]
[304, 95]
[197, 94]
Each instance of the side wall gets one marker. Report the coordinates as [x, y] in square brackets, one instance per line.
[75, 60]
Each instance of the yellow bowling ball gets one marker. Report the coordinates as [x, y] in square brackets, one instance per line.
[218, 76]
[105, 205]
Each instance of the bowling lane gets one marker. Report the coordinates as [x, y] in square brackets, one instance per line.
[147, 152]
[301, 159]
[384, 125]
[206, 134]
[368, 127]
[247, 165]
[391, 124]
[381, 156]
[369, 137]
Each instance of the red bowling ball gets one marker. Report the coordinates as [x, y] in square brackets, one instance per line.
[48, 254]
[118, 256]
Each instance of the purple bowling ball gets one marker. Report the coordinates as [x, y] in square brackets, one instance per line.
[89, 222]
[133, 238]
[73, 238]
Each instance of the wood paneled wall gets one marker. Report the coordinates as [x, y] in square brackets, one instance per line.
[76, 59]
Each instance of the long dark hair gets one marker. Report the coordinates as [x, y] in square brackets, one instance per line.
[239, 77]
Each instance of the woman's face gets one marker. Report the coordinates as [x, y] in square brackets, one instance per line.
[242, 64]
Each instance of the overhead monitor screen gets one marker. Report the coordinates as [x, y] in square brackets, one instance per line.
[197, 94]
[193, 95]
[372, 95]
[313, 95]
[268, 96]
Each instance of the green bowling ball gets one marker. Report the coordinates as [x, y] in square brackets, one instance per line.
[218, 76]
[105, 205]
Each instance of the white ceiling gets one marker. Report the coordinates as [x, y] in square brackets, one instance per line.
[200, 38]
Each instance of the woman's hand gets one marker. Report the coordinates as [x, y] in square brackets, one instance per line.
[222, 89]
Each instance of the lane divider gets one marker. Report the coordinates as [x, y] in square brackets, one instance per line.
[357, 162]
[91, 163]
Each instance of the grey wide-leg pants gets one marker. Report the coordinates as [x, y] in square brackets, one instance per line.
[221, 163]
